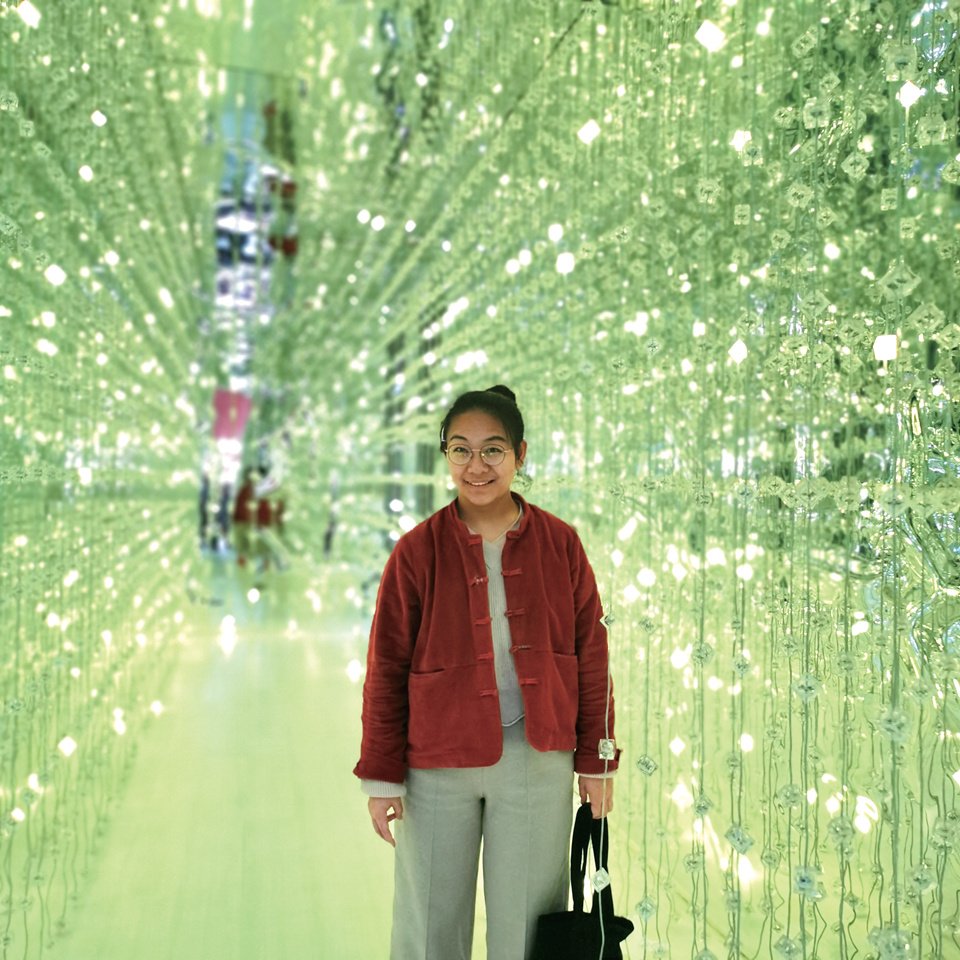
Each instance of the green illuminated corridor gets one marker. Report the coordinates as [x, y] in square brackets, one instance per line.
[714, 247]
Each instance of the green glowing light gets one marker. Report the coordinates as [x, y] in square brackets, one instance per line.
[717, 261]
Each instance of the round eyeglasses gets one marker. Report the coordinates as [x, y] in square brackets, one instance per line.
[460, 454]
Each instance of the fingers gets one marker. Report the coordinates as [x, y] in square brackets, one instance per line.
[598, 793]
[381, 816]
[607, 800]
[382, 829]
[598, 810]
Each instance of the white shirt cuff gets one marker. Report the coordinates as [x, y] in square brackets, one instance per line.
[382, 788]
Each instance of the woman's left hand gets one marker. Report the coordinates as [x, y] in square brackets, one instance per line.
[598, 792]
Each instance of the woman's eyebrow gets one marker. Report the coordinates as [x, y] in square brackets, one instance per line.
[458, 436]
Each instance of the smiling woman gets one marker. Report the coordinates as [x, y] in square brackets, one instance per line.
[482, 438]
[471, 736]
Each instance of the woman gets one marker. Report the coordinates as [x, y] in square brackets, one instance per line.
[487, 687]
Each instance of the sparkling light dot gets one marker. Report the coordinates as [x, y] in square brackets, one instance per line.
[29, 14]
[885, 347]
[909, 94]
[55, 275]
[710, 36]
[589, 131]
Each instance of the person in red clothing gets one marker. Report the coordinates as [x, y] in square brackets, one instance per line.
[487, 688]
[264, 512]
[264, 517]
[243, 516]
[268, 547]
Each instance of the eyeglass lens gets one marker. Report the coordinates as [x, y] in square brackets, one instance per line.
[461, 455]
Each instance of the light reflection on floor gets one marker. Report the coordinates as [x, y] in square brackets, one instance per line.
[242, 834]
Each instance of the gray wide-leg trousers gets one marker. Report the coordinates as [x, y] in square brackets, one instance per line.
[520, 811]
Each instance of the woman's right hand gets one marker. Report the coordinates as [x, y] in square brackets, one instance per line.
[384, 810]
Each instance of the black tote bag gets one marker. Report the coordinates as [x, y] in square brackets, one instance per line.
[574, 934]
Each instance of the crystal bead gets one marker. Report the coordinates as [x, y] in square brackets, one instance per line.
[921, 878]
[702, 654]
[708, 190]
[895, 726]
[816, 112]
[888, 198]
[928, 316]
[799, 195]
[951, 171]
[790, 795]
[806, 688]
[805, 44]
[943, 836]
[608, 750]
[900, 62]
[840, 830]
[770, 858]
[702, 805]
[646, 908]
[806, 882]
[647, 765]
[739, 839]
[891, 943]
[788, 948]
[898, 282]
[600, 880]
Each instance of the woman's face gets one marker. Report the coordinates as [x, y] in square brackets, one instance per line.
[478, 483]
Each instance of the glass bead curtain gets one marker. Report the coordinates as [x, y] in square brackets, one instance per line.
[713, 247]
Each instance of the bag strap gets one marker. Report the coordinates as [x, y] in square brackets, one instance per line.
[578, 854]
[587, 831]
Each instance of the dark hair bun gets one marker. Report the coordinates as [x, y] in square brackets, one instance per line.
[503, 391]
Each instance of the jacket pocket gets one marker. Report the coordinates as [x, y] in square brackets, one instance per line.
[443, 712]
[551, 687]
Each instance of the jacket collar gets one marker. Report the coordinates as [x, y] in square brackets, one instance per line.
[452, 516]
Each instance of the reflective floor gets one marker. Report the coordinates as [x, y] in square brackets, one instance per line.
[242, 834]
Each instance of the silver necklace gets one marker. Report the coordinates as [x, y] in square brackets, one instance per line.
[512, 523]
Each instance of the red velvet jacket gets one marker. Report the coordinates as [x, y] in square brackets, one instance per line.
[430, 696]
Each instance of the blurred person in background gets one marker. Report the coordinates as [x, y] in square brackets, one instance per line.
[243, 517]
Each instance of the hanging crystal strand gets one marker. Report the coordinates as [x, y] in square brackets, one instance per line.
[894, 722]
[12, 67]
[701, 533]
